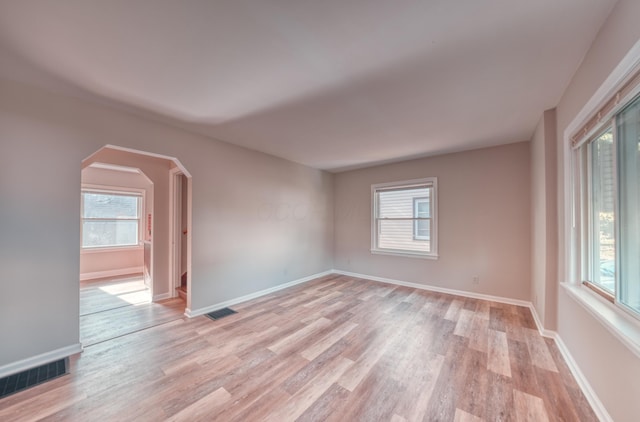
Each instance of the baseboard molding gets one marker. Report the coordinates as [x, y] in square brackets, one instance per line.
[111, 273]
[162, 296]
[190, 313]
[41, 359]
[584, 385]
[592, 397]
[430, 288]
[543, 331]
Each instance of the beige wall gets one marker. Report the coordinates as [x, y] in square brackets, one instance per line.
[258, 221]
[483, 227]
[544, 238]
[611, 368]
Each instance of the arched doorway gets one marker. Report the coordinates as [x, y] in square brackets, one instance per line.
[129, 244]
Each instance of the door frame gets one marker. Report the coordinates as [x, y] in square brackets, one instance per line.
[175, 229]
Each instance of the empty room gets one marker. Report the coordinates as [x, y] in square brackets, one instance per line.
[319, 210]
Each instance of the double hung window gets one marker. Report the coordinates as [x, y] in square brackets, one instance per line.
[110, 219]
[404, 218]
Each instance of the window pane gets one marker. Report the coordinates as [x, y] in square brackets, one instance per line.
[398, 234]
[422, 209]
[404, 218]
[109, 233]
[399, 203]
[629, 202]
[422, 229]
[602, 212]
[98, 205]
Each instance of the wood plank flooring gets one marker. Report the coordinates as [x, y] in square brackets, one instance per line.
[334, 349]
[113, 308]
[106, 294]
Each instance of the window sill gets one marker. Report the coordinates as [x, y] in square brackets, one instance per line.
[405, 254]
[624, 327]
[110, 249]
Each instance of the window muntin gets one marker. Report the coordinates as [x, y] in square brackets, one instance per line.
[404, 218]
[612, 219]
[110, 219]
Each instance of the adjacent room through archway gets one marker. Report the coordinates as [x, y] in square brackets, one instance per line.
[134, 254]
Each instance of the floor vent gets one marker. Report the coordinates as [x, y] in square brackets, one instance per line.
[221, 313]
[25, 379]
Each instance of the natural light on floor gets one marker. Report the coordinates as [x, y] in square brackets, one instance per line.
[134, 292]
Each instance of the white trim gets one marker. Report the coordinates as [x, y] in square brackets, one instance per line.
[41, 359]
[115, 167]
[583, 383]
[196, 312]
[625, 68]
[616, 78]
[622, 326]
[406, 254]
[543, 331]
[150, 154]
[162, 296]
[115, 190]
[111, 249]
[175, 240]
[111, 273]
[140, 193]
[463, 293]
[432, 182]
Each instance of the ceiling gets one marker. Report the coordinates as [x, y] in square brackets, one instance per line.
[333, 84]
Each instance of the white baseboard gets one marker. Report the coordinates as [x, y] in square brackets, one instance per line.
[592, 397]
[463, 293]
[543, 331]
[111, 273]
[41, 359]
[196, 312]
[584, 385]
[162, 296]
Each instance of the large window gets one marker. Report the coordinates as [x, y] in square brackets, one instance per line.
[611, 198]
[404, 218]
[110, 219]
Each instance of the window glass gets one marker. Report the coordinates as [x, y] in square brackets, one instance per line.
[603, 239]
[628, 133]
[404, 218]
[110, 220]
[422, 210]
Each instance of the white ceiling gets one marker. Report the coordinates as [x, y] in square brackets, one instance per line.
[333, 84]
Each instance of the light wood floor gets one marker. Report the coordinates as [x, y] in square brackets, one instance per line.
[117, 307]
[334, 349]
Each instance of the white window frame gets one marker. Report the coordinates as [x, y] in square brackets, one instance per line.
[416, 203]
[113, 190]
[620, 322]
[427, 181]
[586, 176]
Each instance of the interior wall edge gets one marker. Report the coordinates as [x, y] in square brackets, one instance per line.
[41, 359]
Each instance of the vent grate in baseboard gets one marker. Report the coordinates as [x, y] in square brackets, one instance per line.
[221, 313]
[31, 377]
